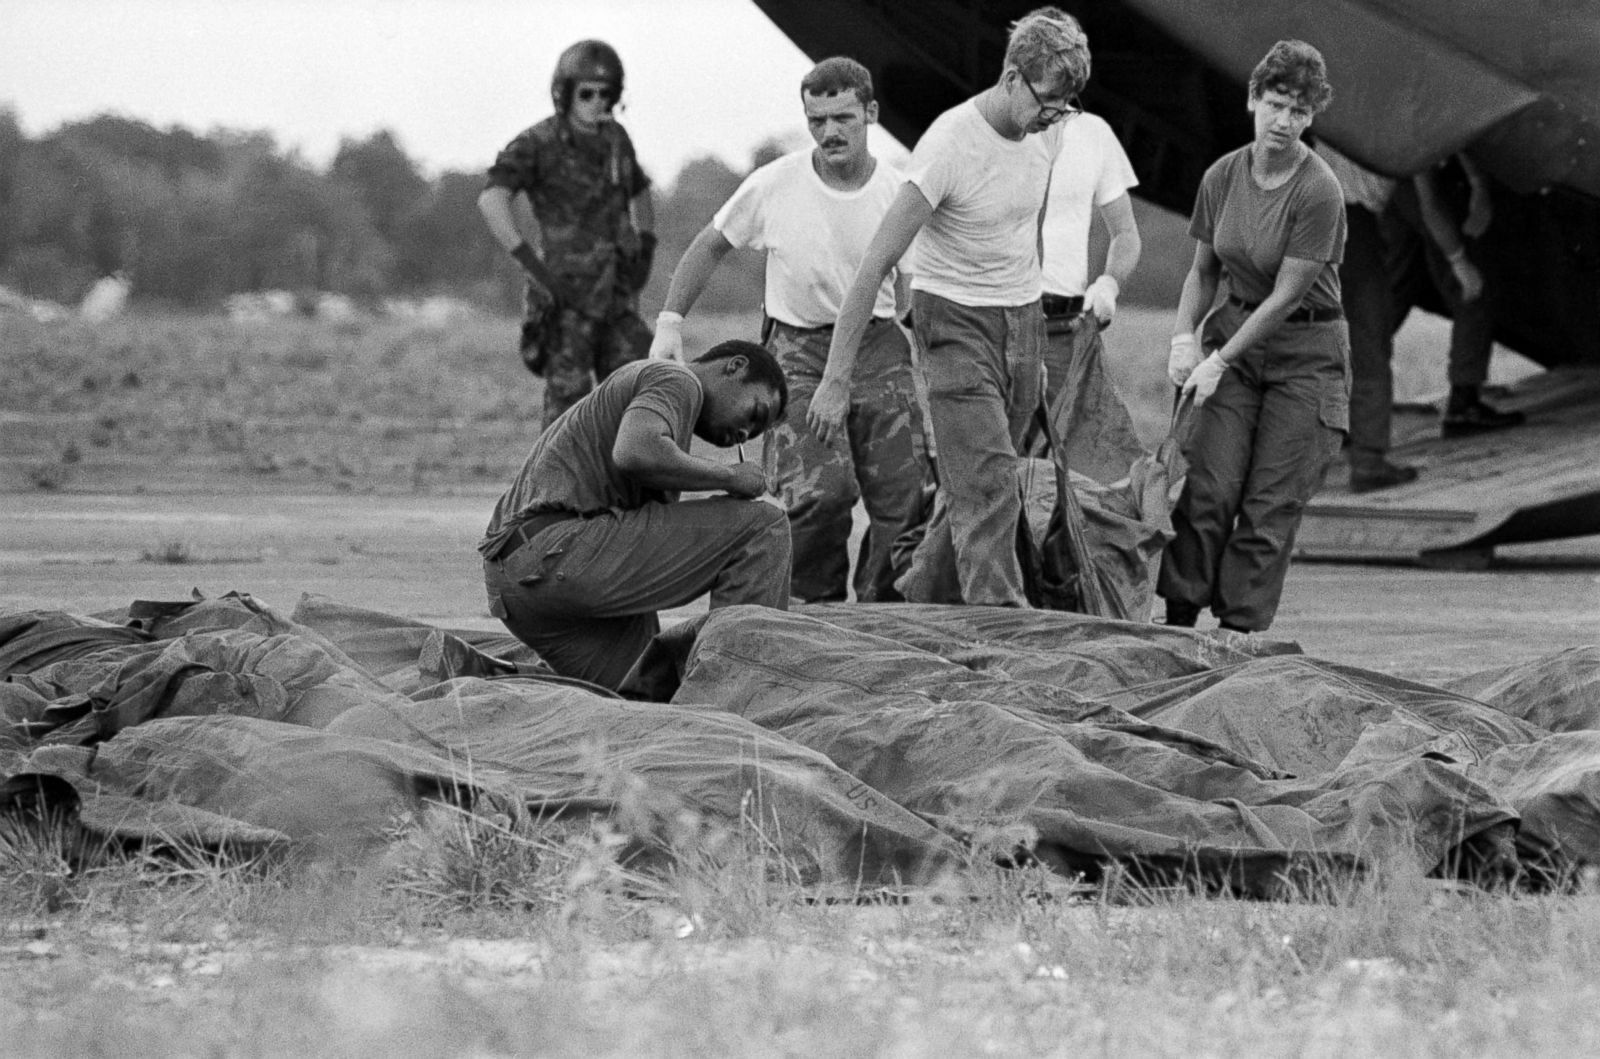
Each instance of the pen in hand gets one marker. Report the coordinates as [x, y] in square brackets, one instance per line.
[739, 448]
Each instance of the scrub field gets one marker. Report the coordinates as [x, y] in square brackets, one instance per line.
[155, 455]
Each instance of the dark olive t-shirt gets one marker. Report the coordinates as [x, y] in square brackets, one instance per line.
[1252, 229]
[570, 467]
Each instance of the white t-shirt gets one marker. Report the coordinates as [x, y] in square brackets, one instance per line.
[981, 245]
[814, 236]
[1092, 171]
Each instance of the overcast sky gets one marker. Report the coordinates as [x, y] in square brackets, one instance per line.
[454, 79]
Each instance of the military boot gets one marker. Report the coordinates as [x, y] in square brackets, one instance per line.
[1465, 413]
[1370, 471]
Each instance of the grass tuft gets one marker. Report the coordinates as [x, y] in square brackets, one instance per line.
[170, 553]
[484, 931]
[50, 476]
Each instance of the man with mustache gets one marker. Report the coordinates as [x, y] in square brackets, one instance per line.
[590, 203]
[812, 213]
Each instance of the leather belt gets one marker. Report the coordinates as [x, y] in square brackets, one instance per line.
[531, 527]
[1058, 305]
[1304, 315]
[824, 329]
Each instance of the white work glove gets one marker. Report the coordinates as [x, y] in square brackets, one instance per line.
[1101, 299]
[1202, 382]
[668, 343]
[1183, 358]
[1466, 274]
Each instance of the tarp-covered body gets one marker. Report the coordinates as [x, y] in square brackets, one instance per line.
[863, 744]
[302, 745]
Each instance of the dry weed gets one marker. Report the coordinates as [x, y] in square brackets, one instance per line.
[50, 476]
[488, 934]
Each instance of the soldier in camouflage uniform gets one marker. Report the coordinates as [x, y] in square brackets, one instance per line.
[813, 211]
[592, 205]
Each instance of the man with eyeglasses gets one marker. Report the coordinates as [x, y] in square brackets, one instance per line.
[594, 241]
[975, 191]
[1092, 177]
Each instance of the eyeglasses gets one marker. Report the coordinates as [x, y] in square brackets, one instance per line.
[1051, 113]
[589, 95]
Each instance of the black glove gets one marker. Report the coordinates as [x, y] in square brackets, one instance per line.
[541, 274]
[540, 333]
[636, 271]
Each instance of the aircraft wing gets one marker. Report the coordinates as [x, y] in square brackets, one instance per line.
[1515, 83]
[1417, 80]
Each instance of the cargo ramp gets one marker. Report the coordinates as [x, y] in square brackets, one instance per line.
[1539, 481]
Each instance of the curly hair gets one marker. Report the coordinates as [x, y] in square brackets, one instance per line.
[761, 367]
[838, 74]
[1294, 68]
[1048, 47]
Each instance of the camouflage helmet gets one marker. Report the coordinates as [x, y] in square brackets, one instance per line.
[587, 60]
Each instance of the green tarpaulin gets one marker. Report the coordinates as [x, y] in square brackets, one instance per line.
[866, 744]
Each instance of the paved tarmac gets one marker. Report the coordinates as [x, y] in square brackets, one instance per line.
[414, 556]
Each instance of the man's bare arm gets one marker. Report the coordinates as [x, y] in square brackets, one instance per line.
[1446, 235]
[1100, 298]
[646, 452]
[1122, 255]
[695, 269]
[689, 279]
[494, 202]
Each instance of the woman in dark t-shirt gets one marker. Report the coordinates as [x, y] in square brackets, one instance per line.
[1269, 372]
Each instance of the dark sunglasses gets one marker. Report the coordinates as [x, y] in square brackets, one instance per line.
[1052, 114]
[589, 95]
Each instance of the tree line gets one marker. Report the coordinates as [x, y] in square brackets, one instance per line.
[191, 218]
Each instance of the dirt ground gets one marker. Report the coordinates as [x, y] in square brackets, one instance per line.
[169, 531]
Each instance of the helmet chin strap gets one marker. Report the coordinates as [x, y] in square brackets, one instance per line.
[605, 118]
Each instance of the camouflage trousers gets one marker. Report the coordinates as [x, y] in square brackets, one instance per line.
[882, 461]
[574, 351]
